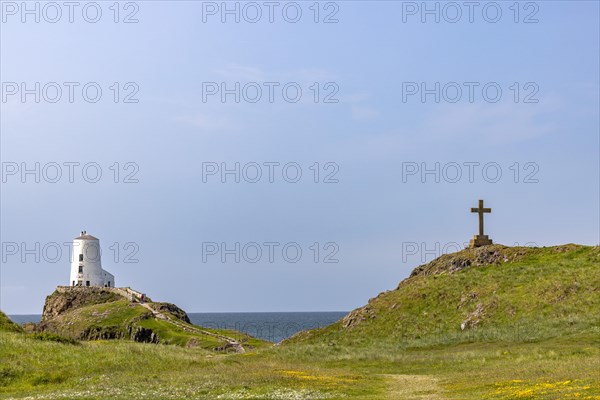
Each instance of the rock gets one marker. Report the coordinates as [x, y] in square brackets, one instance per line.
[173, 309]
[466, 298]
[144, 335]
[64, 299]
[358, 316]
[475, 317]
[455, 262]
[566, 248]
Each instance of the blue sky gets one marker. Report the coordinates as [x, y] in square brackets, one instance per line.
[371, 215]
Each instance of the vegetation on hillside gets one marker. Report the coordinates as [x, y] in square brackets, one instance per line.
[6, 325]
[492, 293]
[405, 344]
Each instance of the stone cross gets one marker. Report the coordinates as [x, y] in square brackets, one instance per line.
[481, 239]
[481, 210]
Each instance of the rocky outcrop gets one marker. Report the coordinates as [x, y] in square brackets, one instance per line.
[111, 332]
[172, 309]
[475, 317]
[64, 313]
[65, 299]
[486, 255]
[357, 316]
[144, 335]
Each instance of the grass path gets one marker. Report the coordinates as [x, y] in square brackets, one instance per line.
[414, 387]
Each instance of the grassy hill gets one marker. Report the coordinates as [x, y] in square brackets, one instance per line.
[6, 325]
[492, 293]
[104, 313]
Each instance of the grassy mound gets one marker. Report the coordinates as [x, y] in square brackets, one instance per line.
[493, 293]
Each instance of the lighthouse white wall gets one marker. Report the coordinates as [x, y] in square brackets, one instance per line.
[86, 265]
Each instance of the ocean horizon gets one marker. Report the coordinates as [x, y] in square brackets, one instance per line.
[271, 326]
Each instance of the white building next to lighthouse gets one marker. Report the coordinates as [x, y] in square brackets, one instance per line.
[86, 266]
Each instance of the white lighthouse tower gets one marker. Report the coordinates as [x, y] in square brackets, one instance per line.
[86, 267]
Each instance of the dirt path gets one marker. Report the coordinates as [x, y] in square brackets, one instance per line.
[414, 387]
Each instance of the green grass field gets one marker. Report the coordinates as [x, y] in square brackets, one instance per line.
[556, 368]
[540, 340]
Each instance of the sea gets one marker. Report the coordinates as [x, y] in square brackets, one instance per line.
[271, 326]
